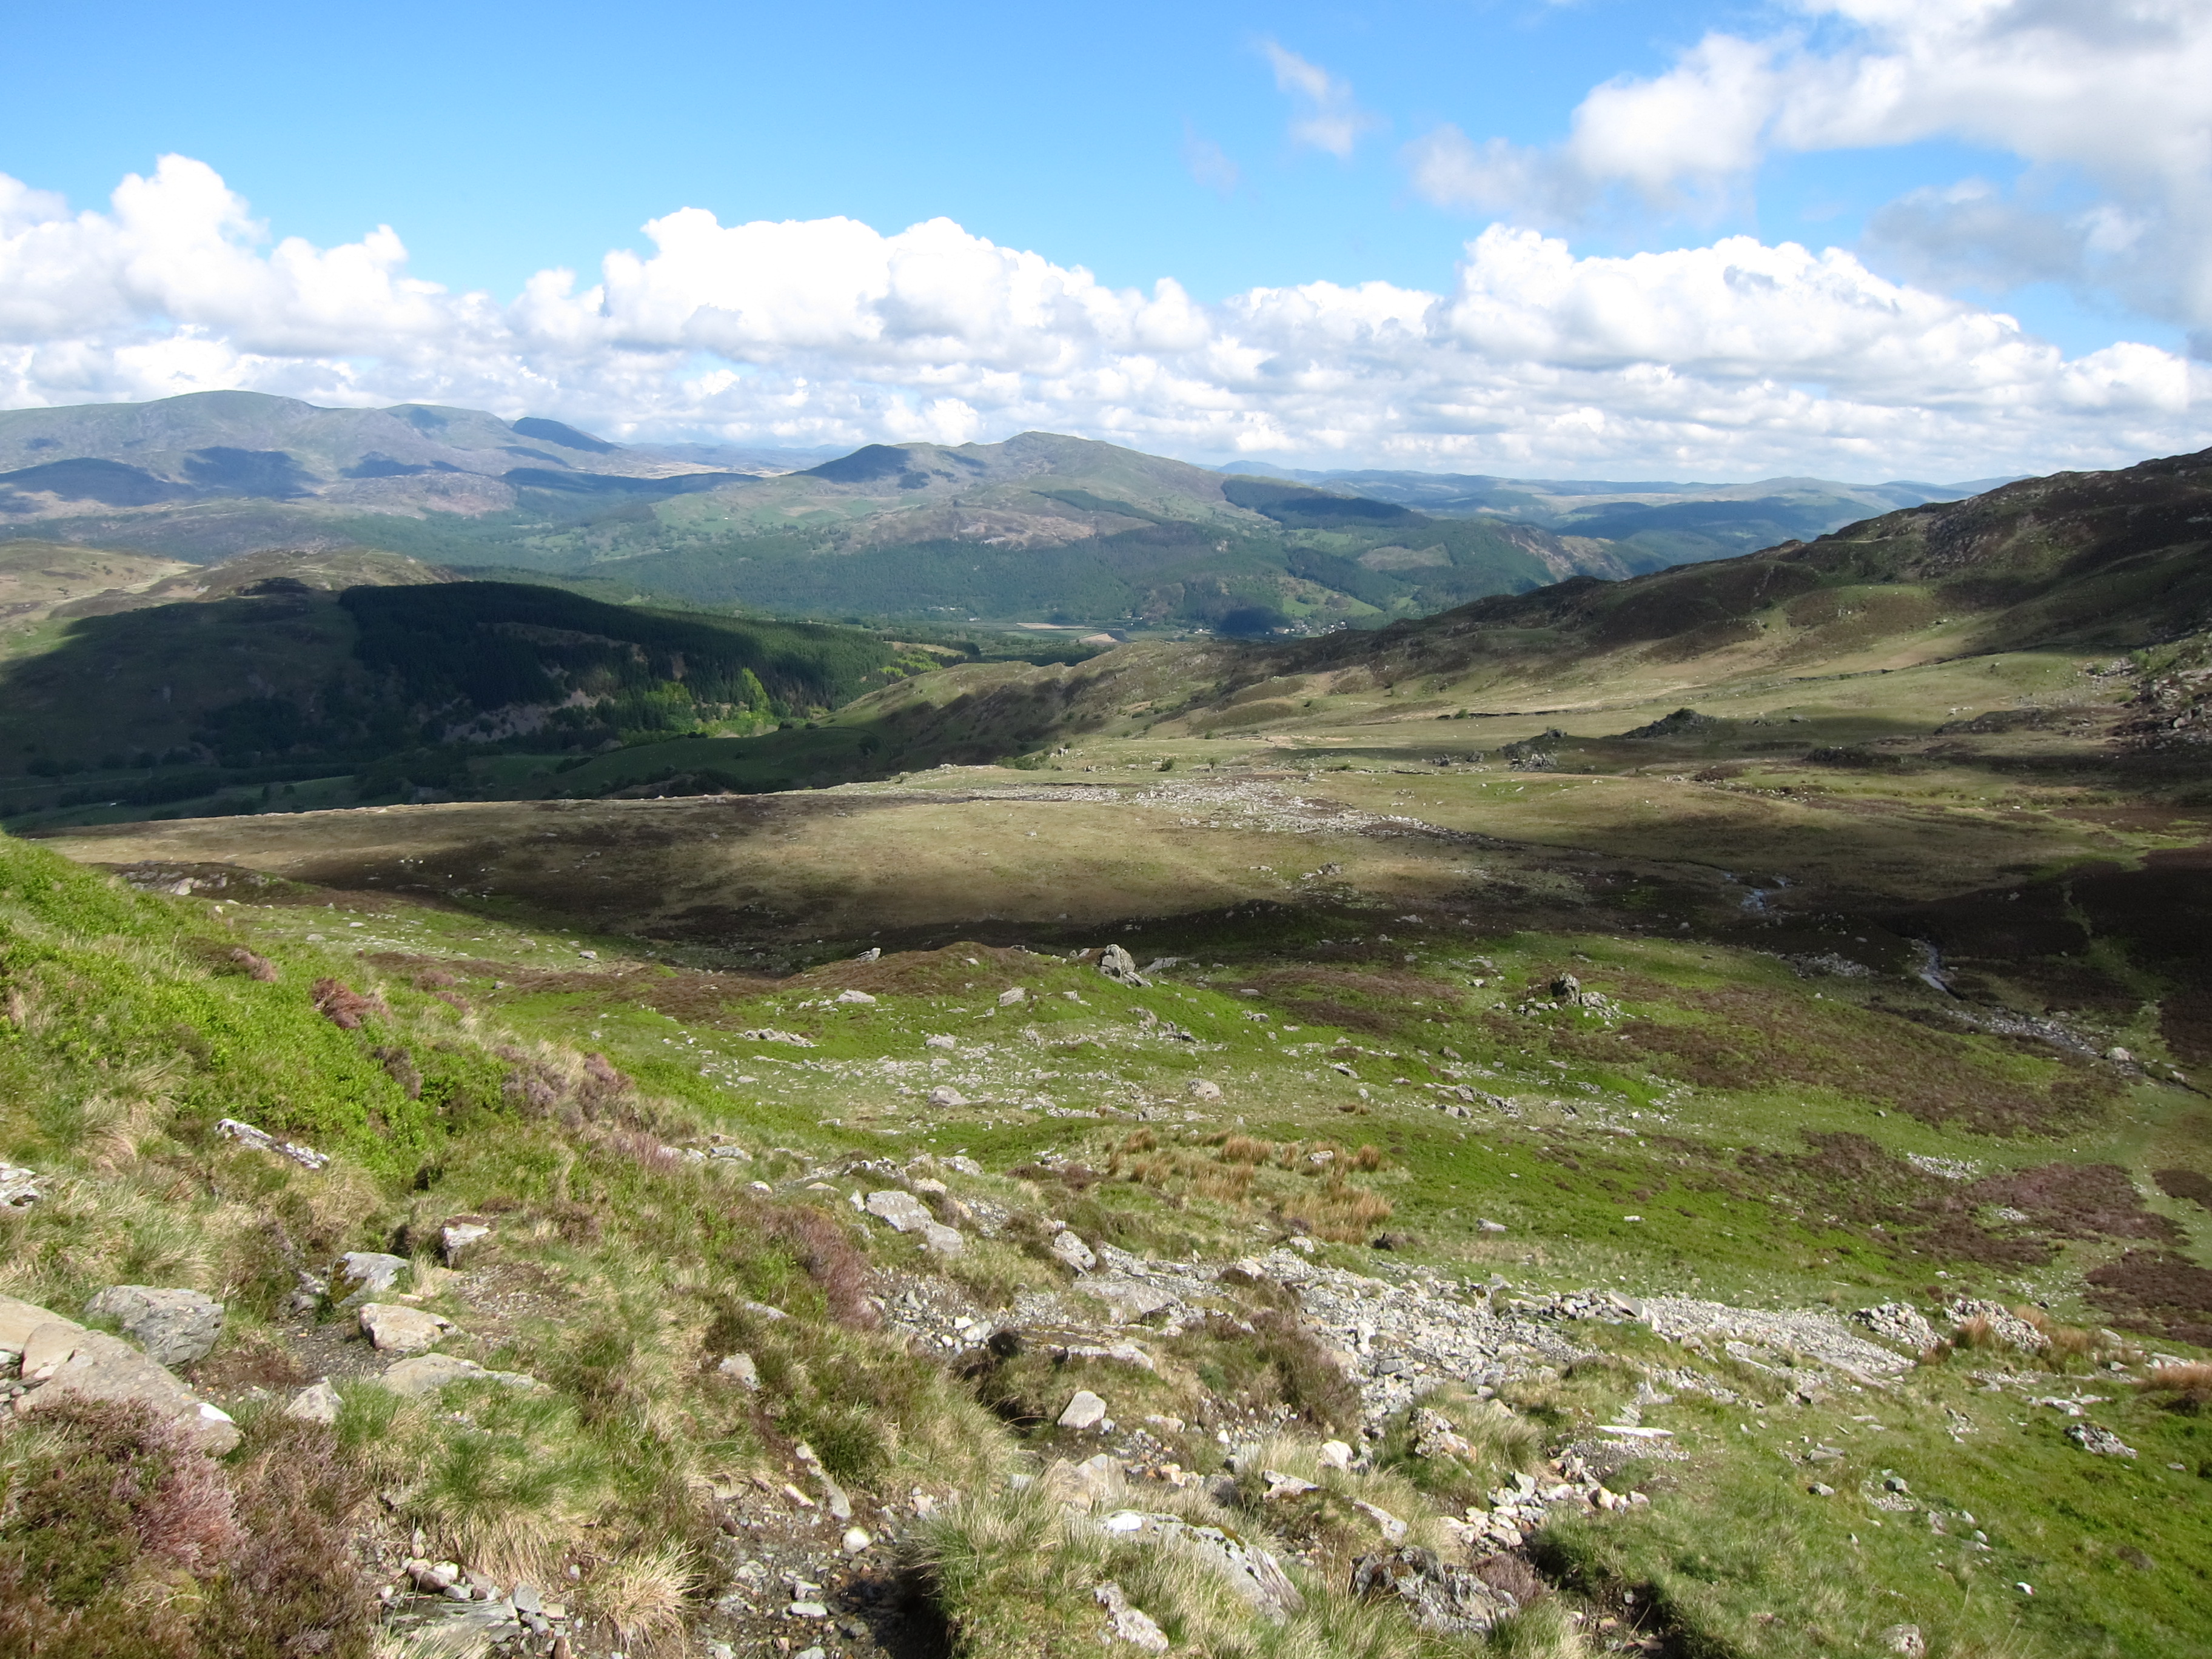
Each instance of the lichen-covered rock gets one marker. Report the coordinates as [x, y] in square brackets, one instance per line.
[1438, 1596]
[1898, 1323]
[175, 1327]
[1126, 1624]
[1067, 1244]
[2099, 1442]
[463, 1238]
[395, 1329]
[359, 1275]
[317, 1402]
[430, 1372]
[61, 1359]
[909, 1214]
[1118, 964]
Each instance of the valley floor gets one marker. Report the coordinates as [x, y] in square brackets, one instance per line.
[1737, 1189]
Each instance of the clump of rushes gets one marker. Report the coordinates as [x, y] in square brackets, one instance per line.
[2186, 1386]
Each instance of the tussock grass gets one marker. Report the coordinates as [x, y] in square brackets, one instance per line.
[1302, 1186]
[2187, 1387]
[642, 1593]
[1015, 1573]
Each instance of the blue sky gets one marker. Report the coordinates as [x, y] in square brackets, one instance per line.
[1155, 141]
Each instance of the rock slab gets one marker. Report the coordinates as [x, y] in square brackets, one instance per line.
[1067, 1244]
[397, 1329]
[62, 1360]
[175, 1327]
[428, 1373]
[907, 1214]
[1438, 1596]
[1127, 1624]
[358, 1275]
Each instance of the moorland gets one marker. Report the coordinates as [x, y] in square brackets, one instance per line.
[1644, 1116]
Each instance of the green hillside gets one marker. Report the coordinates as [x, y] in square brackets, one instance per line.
[1037, 527]
[1651, 524]
[1652, 1117]
[282, 676]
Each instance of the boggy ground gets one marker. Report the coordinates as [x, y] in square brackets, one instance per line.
[1862, 1011]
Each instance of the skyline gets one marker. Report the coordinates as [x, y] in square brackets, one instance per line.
[1848, 238]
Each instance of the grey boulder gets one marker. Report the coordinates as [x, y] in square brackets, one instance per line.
[1118, 964]
[909, 1214]
[397, 1329]
[175, 1327]
[1067, 1244]
[1436, 1595]
[316, 1403]
[428, 1373]
[62, 1360]
[359, 1274]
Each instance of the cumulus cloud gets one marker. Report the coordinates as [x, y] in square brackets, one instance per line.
[2108, 92]
[1331, 118]
[1733, 359]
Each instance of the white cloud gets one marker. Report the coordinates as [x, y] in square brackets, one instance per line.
[1702, 121]
[2108, 92]
[1737, 360]
[1331, 119]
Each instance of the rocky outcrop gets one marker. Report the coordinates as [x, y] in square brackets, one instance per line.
[1436, 1595]
[428, 1373]
[175, 1327]
[53, 1358]
[907, 1214]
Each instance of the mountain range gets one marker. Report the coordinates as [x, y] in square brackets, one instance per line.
[1652, 523]
[1039, 527]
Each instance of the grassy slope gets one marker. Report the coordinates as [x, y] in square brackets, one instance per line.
[1735, 1194]
[1774, 1066]
[261, 673]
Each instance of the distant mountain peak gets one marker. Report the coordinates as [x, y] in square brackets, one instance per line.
[554, 432]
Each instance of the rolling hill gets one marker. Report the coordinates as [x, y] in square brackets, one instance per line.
[269, 670]
[1651, 524]
[274, 681]
[1039, 526]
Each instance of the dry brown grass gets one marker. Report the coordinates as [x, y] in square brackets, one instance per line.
[1340, 1211]
[1301, 1184]
[2188, 1386]
[642, 1593]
